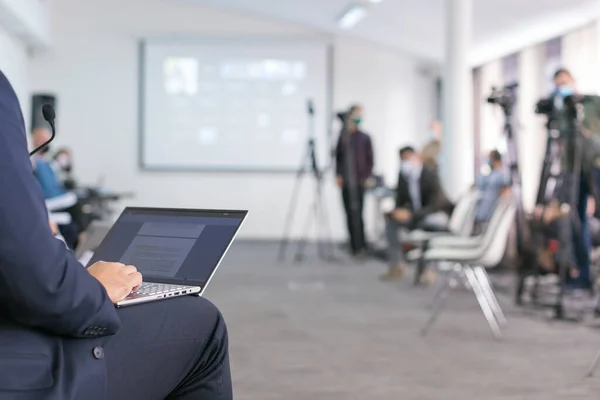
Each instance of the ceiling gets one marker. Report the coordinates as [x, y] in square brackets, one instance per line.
[417, 26]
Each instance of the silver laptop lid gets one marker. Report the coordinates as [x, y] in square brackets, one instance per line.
[171, 245]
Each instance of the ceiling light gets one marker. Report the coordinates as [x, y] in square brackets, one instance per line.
[353, 15]
[375, 1]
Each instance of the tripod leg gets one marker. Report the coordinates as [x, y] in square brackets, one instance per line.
[290, 217]
[323, 223]
[303, 241]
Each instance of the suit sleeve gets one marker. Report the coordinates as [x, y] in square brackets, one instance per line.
[41, 283]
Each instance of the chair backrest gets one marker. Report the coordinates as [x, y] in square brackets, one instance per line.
[463, 215]
[502, 205]
[495, 251]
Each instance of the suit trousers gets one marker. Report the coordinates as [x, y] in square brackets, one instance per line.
[170, 349]
[354, 217]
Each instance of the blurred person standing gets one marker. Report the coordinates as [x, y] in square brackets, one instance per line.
[491, 187]
[430, 155]
[589, 176]
[354, 167]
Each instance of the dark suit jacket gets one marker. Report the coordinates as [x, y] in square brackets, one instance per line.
[433, 198]
[47, 299]
[361, 159]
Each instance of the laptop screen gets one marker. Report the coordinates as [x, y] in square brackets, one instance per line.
[169, 245]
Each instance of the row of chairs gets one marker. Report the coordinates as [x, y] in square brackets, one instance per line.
[469, 256]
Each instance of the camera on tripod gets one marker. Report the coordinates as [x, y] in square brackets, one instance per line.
[545, 107]
[343, 116]
[505, 97]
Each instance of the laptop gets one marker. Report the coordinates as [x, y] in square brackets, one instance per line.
[176, 250]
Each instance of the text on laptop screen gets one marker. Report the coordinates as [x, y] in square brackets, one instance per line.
[170, 244]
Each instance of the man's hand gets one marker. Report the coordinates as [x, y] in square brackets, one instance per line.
[340, 181]
[401, 215]
[118, 279]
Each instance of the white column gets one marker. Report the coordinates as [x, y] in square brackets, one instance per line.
[457, 163]
[531, 131]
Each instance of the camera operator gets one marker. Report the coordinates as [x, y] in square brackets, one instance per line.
[354, 166]
[560, 110]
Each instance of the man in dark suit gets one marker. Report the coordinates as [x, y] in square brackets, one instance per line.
[61, 337]
[420, 202]
[354, 166]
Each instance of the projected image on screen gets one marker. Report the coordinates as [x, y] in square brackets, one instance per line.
[232, 107]
[181, 76]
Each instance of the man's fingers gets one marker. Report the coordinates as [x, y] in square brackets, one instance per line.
[129, 269]
[135, 279]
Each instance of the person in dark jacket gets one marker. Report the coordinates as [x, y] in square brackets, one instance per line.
[420, 201]
[61, 337]
[354, 167]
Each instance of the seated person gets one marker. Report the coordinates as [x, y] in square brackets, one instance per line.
[64, 164]
[53, 189]
[61, 336]
[420, 200]
[430, 154]
[491, 187]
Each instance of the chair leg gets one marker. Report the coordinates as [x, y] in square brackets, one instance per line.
[484, 281]
[594, 365]
[446, 282]
[483, 302]
[439, 303]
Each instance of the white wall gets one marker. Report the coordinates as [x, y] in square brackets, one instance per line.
[14, 64]
[27, 19]
[93, 68]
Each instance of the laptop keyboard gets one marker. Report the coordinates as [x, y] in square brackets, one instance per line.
[149, 288]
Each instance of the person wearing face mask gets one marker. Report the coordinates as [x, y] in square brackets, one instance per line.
[63, 161]
[589, 158]
[54, 190]
[354, 167]
[42, 163]
[491, 187]
[420, 202]
[430, 155]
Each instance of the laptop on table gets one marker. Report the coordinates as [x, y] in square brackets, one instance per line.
[176, 250]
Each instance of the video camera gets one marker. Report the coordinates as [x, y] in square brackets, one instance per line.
[505, 97]
[343, 116]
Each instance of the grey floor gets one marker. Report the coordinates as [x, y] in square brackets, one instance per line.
[332, 331]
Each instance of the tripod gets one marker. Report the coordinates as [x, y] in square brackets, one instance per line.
[318, 211]
[556, 183]
[506, 98]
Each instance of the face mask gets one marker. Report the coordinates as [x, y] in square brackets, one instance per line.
[565, 90]
[408, 167]
[357, 120]
[64, 161]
